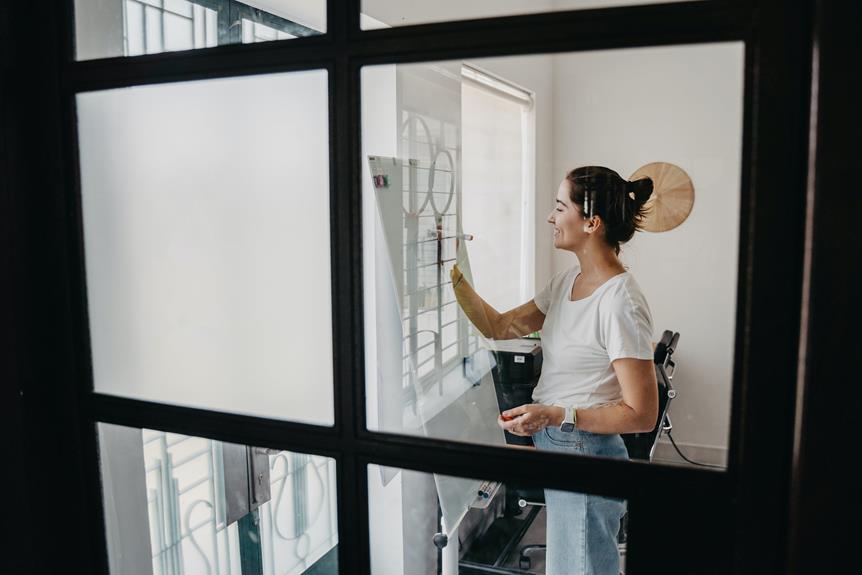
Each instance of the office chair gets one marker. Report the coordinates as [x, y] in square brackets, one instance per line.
[639, 445]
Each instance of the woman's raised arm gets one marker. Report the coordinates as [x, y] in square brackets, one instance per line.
[518, 322]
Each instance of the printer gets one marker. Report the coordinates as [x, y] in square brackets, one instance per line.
[516, 373]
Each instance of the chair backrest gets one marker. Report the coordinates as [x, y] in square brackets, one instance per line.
[642, 445]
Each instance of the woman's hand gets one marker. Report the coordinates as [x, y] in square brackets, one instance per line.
[529, 418]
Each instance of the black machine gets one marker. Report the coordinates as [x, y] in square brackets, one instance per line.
[519, 364]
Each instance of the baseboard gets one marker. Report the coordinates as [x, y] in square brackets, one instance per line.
[709, 454]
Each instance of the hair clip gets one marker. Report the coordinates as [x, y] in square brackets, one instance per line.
[592, 203]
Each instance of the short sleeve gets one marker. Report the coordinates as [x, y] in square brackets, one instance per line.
[544, 298]
[627, 324]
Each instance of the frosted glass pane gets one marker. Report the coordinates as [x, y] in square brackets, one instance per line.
[387, 13]
[206, 230]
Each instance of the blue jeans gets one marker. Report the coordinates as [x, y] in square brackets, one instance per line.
[582, 529]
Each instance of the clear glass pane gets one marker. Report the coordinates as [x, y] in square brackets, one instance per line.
[208, 245]
[109, 28]
[464, 163]
[389, 13]
[179, 504]
[484, 526]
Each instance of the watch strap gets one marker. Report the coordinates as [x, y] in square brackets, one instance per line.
[569, 419]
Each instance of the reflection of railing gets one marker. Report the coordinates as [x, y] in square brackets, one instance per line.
[151, 26]
[180, 469]
[185, 485]
[429, 189]
[297, 525]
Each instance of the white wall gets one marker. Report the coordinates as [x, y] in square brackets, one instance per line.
[206, 231]
[625, 108]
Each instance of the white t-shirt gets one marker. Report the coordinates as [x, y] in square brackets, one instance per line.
[580, 339]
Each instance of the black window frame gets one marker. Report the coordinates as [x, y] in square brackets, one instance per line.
[718, 521]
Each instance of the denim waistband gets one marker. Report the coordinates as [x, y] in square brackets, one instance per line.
[581, 442]
[556, 432]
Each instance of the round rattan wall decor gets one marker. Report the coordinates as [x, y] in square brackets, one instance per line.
[672, 197]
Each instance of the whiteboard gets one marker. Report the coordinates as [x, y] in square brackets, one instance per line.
[445, 381]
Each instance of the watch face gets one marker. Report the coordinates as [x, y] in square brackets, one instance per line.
[568, 427]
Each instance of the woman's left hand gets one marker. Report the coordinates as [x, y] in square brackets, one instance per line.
[529, 418]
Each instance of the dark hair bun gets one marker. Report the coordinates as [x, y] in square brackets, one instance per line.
[621, 204]
[640, 190]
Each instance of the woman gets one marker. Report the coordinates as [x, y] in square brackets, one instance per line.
[598, 379]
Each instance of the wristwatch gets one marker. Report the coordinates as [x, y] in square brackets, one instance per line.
[570, 420]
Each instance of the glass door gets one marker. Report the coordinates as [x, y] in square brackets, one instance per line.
[198, 267]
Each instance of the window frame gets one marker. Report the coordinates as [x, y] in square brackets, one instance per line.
[745, 500]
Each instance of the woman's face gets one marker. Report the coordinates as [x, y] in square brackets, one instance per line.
[567, 220]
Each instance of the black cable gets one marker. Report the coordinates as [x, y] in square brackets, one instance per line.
[689, 460]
